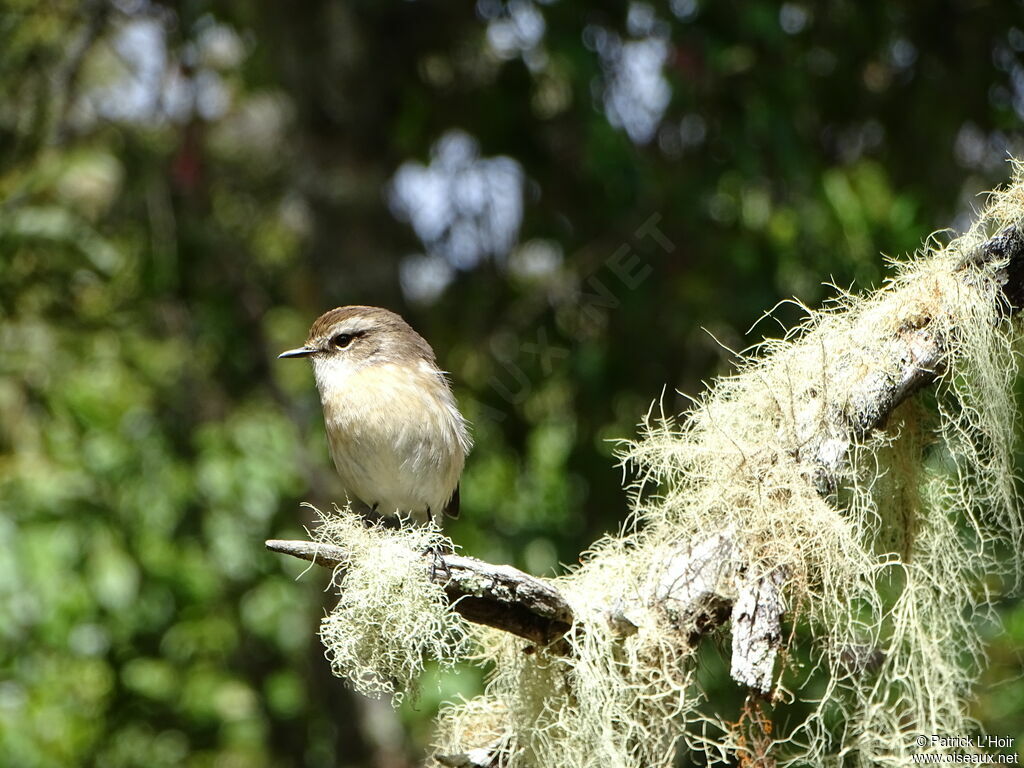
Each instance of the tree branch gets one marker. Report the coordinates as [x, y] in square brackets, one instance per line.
[912, 359]
[494, 595]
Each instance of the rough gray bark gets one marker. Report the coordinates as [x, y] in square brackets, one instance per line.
[757, 628]
[688, 586]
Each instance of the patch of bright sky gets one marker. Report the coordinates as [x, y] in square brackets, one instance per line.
[148, 83]
[636, 92]
[462, 206]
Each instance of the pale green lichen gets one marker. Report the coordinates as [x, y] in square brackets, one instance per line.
[390, 615]
[887, 578]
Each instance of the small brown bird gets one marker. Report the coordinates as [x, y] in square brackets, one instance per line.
[395, 432]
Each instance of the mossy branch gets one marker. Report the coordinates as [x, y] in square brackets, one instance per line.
[796, 486]
[702, 586]
[493, 595]
[910, 360]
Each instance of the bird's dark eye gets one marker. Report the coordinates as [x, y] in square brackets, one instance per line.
[342, 340]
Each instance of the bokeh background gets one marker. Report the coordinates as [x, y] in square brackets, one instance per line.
[581, 206]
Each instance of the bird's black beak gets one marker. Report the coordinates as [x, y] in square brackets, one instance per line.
[299, 352]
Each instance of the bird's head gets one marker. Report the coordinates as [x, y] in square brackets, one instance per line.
[346, 339]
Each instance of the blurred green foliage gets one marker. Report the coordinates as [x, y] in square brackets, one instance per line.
[185, 186]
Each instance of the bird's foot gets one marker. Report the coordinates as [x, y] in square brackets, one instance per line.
[438, 564]
[372, 516]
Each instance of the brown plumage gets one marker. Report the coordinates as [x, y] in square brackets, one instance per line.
[394, 430]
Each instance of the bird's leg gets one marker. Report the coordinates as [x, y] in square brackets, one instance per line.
[438, 551]
[371, 515]
[438, 563]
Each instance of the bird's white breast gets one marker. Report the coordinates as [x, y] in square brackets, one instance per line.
[395, 434]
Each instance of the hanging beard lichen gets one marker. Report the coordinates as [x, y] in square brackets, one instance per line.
[390, 615]
[888, 554]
